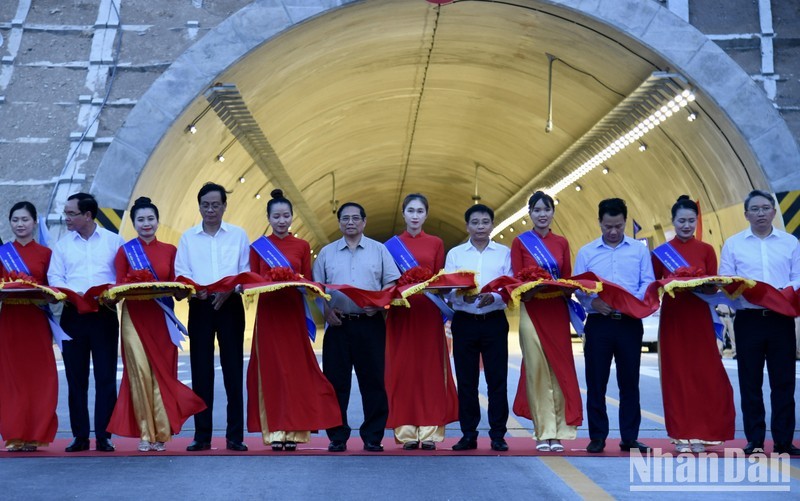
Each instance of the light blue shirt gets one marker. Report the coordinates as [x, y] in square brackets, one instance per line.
[627, 265]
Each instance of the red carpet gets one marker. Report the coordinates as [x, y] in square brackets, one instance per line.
[319, 447]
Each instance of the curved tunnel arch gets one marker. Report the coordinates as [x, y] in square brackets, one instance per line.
[394, 96]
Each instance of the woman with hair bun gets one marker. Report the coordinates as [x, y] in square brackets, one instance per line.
[152, 404]
[28, 377]
[698, 398]
[287, 394]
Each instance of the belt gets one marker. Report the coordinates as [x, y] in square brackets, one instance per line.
[354, 316]
[759, 312]
[614, 315]
[480, 316]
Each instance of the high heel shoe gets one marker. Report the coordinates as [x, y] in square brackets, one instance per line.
[428, 445]
[410, 446]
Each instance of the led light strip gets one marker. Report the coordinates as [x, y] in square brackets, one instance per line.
[653, 87]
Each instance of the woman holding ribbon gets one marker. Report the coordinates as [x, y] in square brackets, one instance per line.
[287, 394]
[548, 390]
[152, 404]
[698, 398]
[28, 377]
[419, 381]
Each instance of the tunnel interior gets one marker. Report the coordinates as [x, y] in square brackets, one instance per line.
[375, 100]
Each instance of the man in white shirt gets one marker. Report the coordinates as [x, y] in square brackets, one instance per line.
[207, 253]
[82, 259]
[480, 328]
[768, 255]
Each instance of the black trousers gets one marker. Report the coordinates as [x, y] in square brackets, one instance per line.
[94, 335]
[227, 324]
[358, 343]
[487, 336]
[762, 335]
[619, 339]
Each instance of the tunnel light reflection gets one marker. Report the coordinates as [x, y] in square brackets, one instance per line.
[655, 101]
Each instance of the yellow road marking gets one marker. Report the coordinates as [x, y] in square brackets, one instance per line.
[584, 486]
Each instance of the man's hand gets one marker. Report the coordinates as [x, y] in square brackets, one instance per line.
[485, 300]
[219, 298]
[332, 317]
[201, 294]
[601, 306]
[182, 294]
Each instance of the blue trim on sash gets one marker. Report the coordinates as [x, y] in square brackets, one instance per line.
[535, 246]
[405, 260]
[672, 260]
[670, 257]
[274, 258]
[402, 256]
[12, 261]
[138, 260]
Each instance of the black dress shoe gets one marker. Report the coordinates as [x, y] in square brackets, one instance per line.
[630, 445]
[752, 447]
[78, 445]
[596, 446]
[290, 446]
[786, 449]
[337, 446]
[465, 444]
[104, 445]
[499, 445]
[373, 447]
[235, 446]
[277, 445]
[196, 445]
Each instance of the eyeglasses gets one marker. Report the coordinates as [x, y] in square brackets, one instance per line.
[72, 214]
[215, 206]
[347, 219]
[760, 210]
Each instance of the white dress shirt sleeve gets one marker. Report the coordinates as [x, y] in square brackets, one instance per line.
[57, 273]
[182, 263]
[244, 253]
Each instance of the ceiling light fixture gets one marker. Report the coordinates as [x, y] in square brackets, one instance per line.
[230, 106]
[548, 127]
[646, 108]
[221, 156]
[578, 187]
[606, 170]
[691, 114]
[192, 127]
[642, 146]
